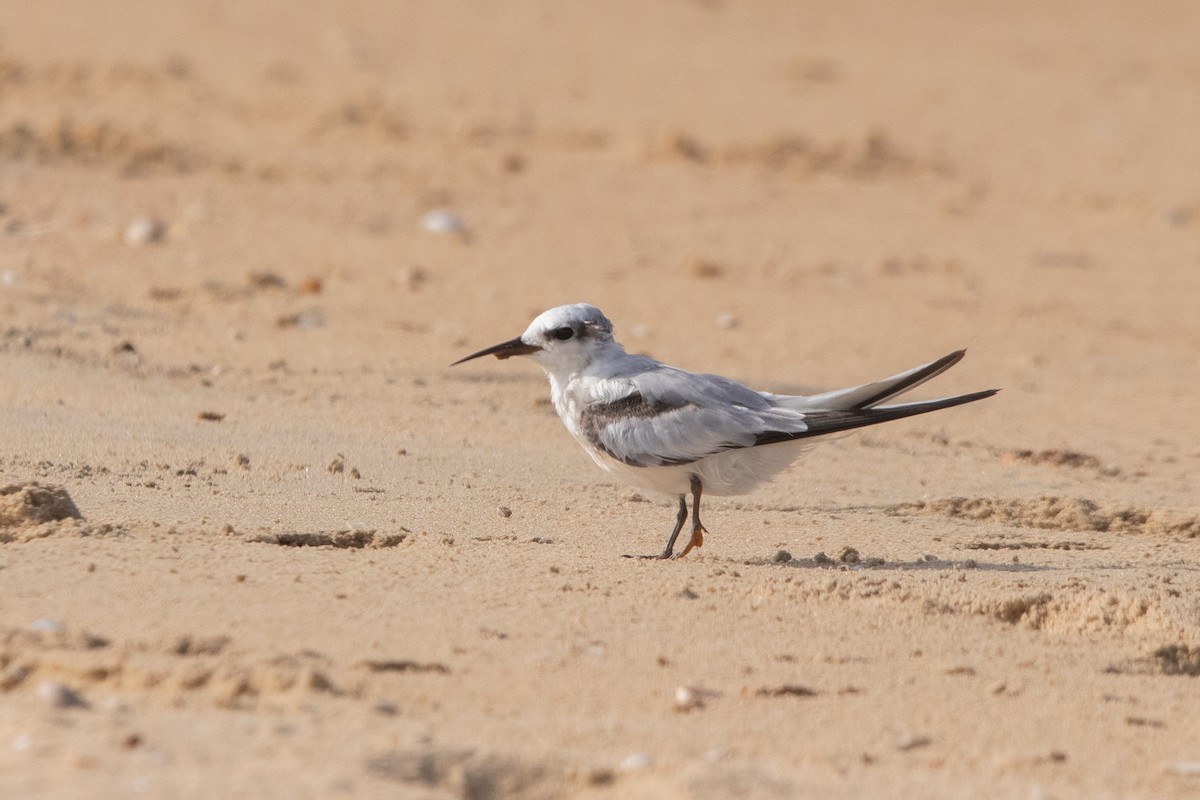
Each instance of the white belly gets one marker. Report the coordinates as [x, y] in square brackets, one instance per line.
[729, 473]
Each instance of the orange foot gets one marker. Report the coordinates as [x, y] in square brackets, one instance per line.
[697, 540]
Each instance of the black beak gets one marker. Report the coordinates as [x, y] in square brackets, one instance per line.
[513, 347]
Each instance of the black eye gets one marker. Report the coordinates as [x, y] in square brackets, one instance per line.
[562, 333]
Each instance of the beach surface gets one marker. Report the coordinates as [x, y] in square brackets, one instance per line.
[257, 540]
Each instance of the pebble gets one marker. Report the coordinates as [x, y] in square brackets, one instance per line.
[265, 279]
[635, 761]
[781, 557]
[310, 286]
[441, 221]
[307, 320]
[47, 625]
[144, 230]
[413, 277]
[906, 743]
[1179, 217]
[687, 699]
[12, 676]
[59, 695]
[1191, 768]
[703, 268]
[727, 321]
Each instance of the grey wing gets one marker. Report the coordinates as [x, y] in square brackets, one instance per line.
[674, 417]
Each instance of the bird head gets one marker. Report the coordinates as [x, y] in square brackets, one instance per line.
[563, 339]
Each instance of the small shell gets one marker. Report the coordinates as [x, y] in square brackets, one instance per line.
[59, 695]
[439, 220]
[1191, 768]
[47, 625]
[144, 230]
[635, 761]
[689, 698]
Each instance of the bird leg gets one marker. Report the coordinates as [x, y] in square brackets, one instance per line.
[698, 529]
[674, 534]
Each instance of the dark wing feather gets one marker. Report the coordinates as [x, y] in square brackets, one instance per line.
[822, 423]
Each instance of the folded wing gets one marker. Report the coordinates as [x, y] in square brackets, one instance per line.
[670, 417]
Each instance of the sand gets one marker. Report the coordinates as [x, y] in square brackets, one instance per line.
[276, 548]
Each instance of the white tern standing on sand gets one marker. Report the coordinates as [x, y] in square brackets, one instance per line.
[672, 431]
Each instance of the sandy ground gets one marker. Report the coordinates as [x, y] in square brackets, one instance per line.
[313, 561]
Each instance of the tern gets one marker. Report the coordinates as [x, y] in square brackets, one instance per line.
[676, 432]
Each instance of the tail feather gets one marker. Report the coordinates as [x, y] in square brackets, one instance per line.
[824, 422]
[870, 395]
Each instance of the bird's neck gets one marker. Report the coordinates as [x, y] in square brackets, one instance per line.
[564, 376]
